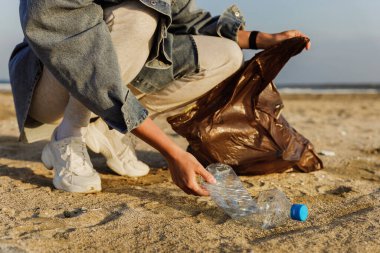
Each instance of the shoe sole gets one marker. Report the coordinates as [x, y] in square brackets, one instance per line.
[74, 188]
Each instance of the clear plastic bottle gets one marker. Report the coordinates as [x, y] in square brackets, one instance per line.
[228, 192]
[275, 209]
[271, 208]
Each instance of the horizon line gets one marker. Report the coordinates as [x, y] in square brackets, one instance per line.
[298, 84]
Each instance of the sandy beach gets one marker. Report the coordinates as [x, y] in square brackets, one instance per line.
[150, 214]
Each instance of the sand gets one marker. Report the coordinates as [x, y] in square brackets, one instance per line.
[150, 214]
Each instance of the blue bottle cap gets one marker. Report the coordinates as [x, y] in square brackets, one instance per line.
[299, 212]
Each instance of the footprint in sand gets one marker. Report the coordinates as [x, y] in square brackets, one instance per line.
[11, 249]
[338, 191]
[65, 221]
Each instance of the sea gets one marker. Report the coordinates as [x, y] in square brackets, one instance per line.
[5, 86]
[332, 88]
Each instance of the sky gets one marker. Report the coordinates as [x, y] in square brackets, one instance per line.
[344, 33]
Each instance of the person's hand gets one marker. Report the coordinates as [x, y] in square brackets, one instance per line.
[266, 40]
[184, 169]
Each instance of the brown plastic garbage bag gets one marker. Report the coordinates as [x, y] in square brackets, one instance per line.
[239, 122]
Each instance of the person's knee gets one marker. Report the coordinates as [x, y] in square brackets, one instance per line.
[49, 100]
[234, 54]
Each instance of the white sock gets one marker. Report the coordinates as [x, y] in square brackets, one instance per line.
[75, 120]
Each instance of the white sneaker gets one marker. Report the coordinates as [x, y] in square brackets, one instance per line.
[73, 171]
[117, 148]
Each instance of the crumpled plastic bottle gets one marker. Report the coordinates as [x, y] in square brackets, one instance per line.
[271, 209]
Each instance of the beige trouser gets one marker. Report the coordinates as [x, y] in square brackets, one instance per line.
[132, 28]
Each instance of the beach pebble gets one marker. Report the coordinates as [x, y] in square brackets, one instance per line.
[326, 153]
[67, 214]
[74, 213]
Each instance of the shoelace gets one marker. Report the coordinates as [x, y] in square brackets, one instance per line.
[128, 153]
[129, 140]
[74, 153]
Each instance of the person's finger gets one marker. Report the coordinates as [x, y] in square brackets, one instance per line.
[207, 176]
[188, 191]
[202, 192]
[185, 189]
[197, 190]
[302, 35]
[193, 186]
[308, 45]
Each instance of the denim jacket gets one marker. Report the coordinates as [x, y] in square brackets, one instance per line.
[72, 40]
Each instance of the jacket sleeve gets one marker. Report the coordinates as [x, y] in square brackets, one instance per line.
[188, 19]
[73, 42]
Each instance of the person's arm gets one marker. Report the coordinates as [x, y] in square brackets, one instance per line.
[266, 40]
[182, 165]
[189, 19]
